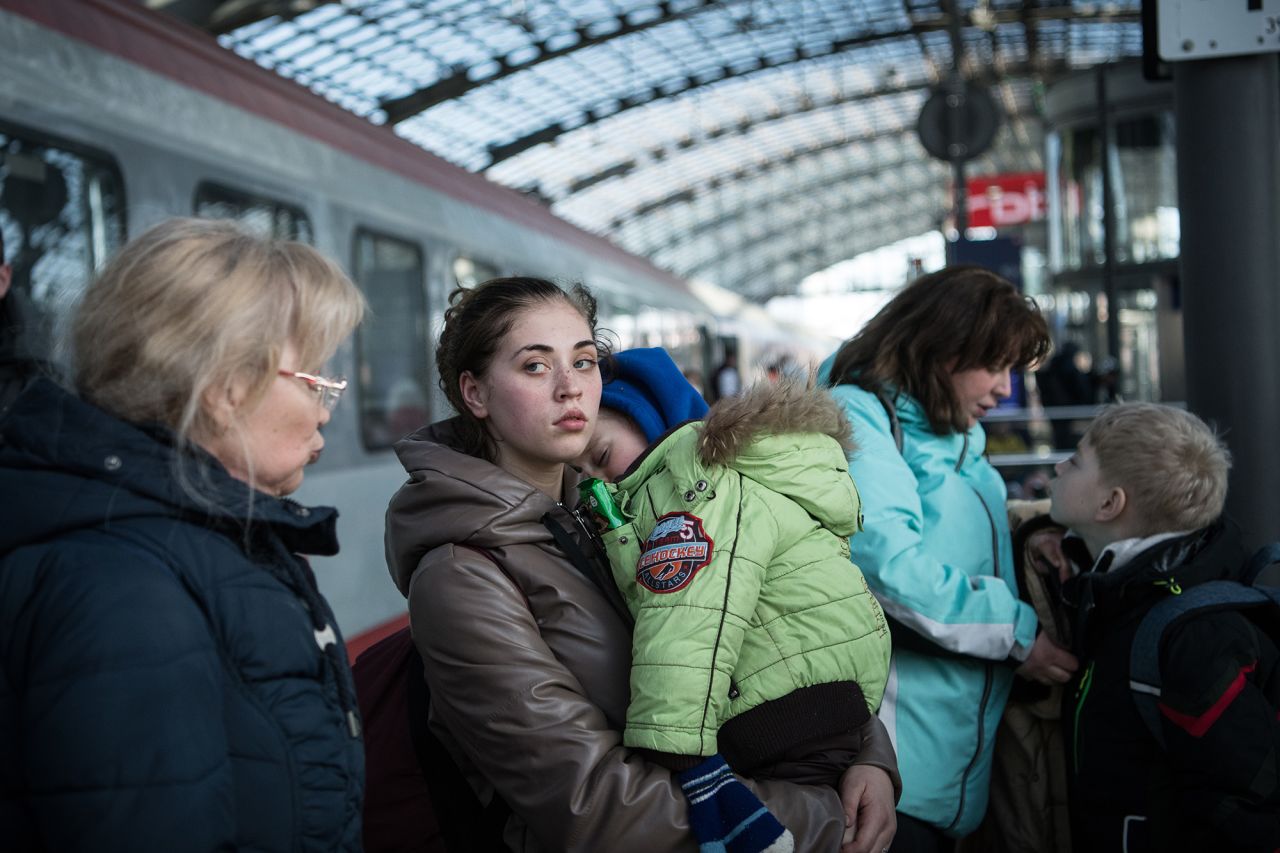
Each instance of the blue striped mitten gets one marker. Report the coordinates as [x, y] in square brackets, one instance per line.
[726, 817]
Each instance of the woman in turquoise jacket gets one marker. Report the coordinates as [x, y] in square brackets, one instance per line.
[935, 545]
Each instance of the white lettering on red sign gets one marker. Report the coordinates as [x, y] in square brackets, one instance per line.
[1004, 200]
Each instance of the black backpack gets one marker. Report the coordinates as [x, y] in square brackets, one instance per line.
[416, 798]
[1260, 603]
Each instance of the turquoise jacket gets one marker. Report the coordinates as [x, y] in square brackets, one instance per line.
[937, 553]
[735, 563]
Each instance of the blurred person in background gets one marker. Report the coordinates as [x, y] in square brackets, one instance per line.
[726, 380]
[17, 367]
[1064, 382]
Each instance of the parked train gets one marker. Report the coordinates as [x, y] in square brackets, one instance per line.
[113, 117]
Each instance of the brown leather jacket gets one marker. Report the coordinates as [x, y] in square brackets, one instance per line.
[528, 666]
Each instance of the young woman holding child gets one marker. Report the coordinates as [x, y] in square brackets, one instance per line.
[526, 650]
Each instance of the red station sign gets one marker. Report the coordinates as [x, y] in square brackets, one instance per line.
[1002, 200]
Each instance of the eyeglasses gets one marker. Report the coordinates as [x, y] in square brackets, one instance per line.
[327, 391]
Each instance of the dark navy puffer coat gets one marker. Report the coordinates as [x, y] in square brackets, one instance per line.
[172, 680]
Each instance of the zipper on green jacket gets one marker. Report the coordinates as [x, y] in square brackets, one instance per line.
[1082, 693]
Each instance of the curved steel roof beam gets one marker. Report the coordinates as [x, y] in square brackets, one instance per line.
[507, 150]
[660, 237]
[751, 246]
[795, 268]
[802, 106]
[742, 172]
[737, 128]
[657, 242]
[849, 235]
[220, 17]
[751, 170]
[762, 207]
[765, 282]
[690, 195]
[460, 83]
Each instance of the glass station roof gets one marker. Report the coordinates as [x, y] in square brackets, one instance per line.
[748, 143]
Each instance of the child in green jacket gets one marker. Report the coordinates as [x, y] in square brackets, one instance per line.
[757, 641]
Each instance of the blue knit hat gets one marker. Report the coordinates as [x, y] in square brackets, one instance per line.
[647, 386]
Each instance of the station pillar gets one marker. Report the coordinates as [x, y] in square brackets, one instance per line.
[1228, 140]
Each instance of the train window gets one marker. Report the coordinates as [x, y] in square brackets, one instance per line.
[263, 215]
[61, 217]
[469, 272]
[393, 342]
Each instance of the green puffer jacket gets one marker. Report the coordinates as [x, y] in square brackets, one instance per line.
[735, 563]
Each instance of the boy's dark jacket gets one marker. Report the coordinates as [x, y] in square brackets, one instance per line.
[164, 684]
[1216, 786]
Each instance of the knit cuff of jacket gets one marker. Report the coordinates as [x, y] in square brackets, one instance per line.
[669, 760]
[726, 817]
[648, 387]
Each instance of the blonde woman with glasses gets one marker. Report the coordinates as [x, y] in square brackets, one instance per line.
[173, 680]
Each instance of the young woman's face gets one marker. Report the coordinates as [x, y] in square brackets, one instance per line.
[540, 395]
[978, 390]
[615, 443]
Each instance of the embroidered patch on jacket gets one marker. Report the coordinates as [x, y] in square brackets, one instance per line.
[673, 553]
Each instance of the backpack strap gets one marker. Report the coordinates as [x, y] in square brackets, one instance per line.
[590, 562]
[1144, 656]
[895, 427]
[1265, 556]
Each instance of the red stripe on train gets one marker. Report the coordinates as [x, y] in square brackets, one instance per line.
[193, 58]
[365, 639]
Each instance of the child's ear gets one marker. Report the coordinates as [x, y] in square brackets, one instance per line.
[1112, 506]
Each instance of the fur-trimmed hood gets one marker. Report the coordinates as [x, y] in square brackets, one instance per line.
[766, 409]
[788, 438]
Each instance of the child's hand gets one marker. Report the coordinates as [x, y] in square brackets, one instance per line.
[866, 792]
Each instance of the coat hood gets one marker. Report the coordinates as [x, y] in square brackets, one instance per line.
[65, 465]
[454, 498]
[790, 438]
[766, 409]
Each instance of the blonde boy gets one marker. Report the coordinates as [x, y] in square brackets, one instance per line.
[1142, 498]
